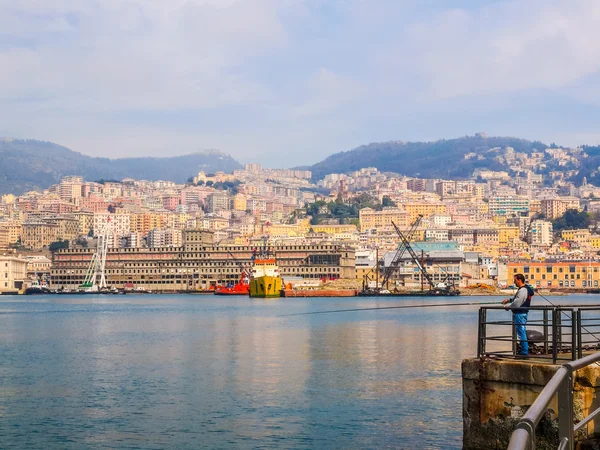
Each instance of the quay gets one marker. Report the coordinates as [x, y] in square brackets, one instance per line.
[502, 393]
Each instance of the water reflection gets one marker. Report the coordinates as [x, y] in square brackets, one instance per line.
[186, 372]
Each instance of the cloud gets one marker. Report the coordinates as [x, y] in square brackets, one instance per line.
[290, 81]
[137, 54]
[328, 91]
[504, 47]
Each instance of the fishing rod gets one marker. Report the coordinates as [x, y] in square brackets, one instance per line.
[377, 308]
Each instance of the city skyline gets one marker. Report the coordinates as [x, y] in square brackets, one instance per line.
[286, 83]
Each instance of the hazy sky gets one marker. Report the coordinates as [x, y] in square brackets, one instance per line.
[287, 82]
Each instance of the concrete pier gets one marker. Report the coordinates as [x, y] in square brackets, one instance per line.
[497, 392]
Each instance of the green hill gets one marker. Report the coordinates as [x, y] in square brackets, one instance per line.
[29, 165]
[438, 159]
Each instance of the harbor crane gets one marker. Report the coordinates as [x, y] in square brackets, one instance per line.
[389, 271]
[442, 288]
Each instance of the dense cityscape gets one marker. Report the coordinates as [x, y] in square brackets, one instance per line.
[473, 232]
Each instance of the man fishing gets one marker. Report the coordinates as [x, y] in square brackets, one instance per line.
[519, 305]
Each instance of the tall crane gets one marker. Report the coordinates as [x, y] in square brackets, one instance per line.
[445, 290]
[401, 250]
[414, 256]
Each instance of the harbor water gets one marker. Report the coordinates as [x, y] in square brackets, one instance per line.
[197, 371]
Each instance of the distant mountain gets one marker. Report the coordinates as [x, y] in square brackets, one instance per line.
[27, 165]
[438, 159]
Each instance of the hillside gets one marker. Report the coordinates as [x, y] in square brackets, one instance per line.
[28, 165]
[438, 159]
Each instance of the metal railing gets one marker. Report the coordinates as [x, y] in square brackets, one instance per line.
[555, 333]
[523, 438]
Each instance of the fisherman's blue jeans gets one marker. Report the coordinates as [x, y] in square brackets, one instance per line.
[520, 320]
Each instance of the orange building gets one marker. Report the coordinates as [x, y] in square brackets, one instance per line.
[569, 274]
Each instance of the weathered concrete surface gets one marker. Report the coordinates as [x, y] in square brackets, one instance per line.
[496, 394]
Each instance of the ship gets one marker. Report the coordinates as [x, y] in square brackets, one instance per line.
[242, 287]
[265, 279]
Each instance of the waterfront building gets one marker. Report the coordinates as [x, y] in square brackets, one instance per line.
[198, 264]
[567, 274]
[13, 272]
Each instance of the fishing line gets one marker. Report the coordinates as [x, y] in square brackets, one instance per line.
[582, 327]
[377, 308]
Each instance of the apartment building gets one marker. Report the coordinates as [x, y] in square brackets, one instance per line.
[571, 275]
[371, 219]
[13, 272]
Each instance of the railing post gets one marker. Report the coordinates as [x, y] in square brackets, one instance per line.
[481, 332]
[554, 336]
[545, 313]
[573, 335]
[579, 335]
[565, 410]
[558, 330]
[514, 334]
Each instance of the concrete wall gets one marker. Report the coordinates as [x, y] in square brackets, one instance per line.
[496, 394]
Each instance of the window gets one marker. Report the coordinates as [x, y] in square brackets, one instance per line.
[572, 269]
[525, 269]
[548, 269]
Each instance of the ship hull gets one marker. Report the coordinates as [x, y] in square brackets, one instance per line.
[266, 287]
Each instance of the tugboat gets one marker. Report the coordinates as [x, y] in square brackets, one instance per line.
[242, 287]
[265, 281]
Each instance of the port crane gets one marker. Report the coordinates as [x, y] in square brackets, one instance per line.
[442, 288]
[400, 252]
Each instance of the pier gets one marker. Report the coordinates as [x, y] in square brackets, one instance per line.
[545, 395]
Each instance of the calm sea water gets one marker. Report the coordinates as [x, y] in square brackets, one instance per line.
[187, 372]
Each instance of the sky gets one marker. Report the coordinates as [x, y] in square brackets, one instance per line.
[289, 82]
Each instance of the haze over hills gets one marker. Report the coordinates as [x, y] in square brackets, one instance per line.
[437, 159]
[28, 165]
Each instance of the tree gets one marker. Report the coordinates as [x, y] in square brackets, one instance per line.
[209, 183]
[571, 220]
[60, 244]
[388, 202]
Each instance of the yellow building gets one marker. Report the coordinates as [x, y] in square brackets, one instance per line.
[144, 222]
[595, 242]
[425, 209]
[571, 275]
[86, 221]
[279, 229]
[239, 202]
[507, 234]
[369, 218]
[581, 237]
[334, 229]
[12, 231]
[37, 235]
